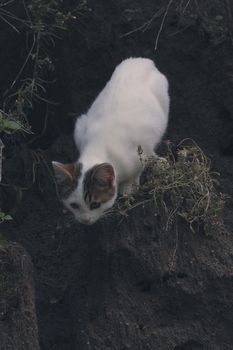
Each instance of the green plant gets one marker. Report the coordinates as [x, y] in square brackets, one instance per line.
[8, 124]
[4, 217]
[213, 17]
[41, 24]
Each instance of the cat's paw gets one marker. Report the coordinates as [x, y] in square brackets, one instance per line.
[127, 189]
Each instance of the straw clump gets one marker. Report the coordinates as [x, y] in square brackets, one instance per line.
[180, 185]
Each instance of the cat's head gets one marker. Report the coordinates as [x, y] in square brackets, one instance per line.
[88, 195]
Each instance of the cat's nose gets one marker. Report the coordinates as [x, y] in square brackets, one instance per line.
[85, 221]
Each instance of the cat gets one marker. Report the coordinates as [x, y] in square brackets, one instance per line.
[130, 112]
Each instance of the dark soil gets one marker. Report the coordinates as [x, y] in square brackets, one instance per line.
[129, 284]
[18, 323]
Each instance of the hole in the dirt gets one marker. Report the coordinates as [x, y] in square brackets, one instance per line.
[145, 285]
[182, 275]
[166, 277]
[189, 345]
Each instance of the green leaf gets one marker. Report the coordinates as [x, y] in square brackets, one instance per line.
[5, 217]
[219, 18]
[12, 125]
[8, 217]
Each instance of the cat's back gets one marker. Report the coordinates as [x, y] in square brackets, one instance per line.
[132, 80]
[136, 73]
[134, 102]
[134, 68]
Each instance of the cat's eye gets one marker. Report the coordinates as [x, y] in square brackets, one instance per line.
[94, 205]
[74, 205]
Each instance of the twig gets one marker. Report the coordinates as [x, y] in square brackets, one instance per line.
[174, 251]
[198, 9]
[162, 24]
[10, 24]
[22, 68]
[145, 25]
[7, 3]
[43, 129]
[229, 12]
[186, 6]
[12, 16]
[1, 148]
[27, 13]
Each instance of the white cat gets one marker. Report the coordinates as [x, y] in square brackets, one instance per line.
[131, 111]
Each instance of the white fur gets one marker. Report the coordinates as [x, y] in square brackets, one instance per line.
[131, 110]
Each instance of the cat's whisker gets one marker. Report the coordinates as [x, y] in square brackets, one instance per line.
[110, 211]
[105, 215]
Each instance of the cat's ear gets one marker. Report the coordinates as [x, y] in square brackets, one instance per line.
[66, 176]
[99, 183]
[63, 172]
[105, 173]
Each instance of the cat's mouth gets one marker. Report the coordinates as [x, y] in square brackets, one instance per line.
[87, 222]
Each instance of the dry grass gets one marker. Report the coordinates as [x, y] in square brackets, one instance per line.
[180, 185]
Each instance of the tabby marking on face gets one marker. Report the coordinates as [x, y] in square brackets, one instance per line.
[98, 185]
